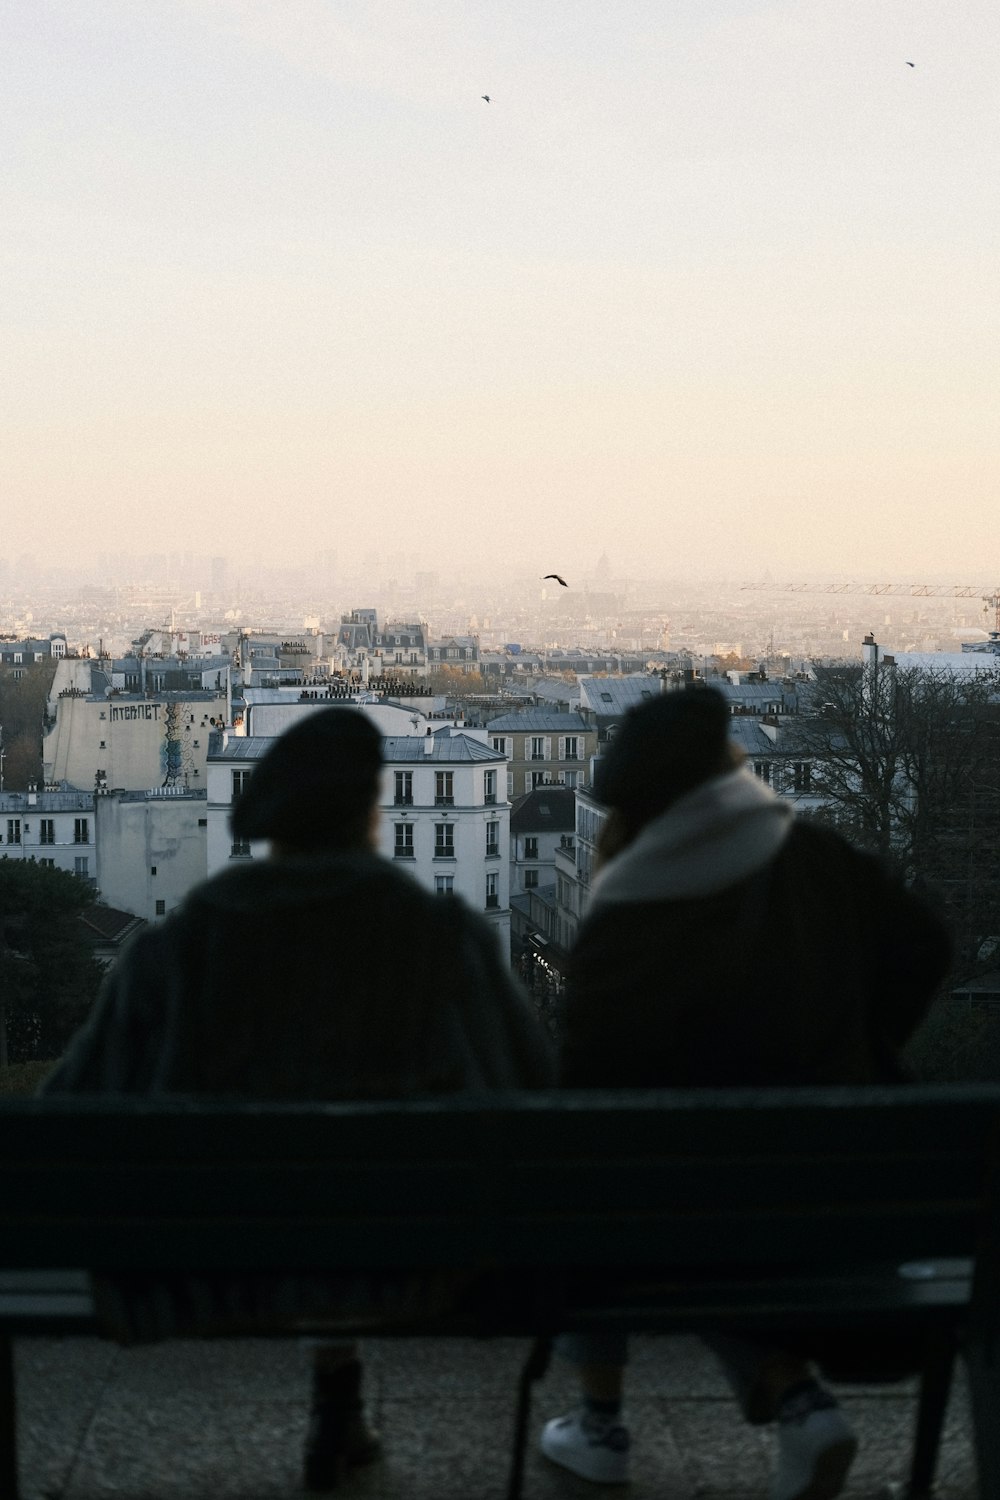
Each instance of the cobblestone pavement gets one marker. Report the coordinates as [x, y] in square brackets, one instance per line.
[209, 1421]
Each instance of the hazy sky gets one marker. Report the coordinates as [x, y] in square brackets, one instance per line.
[712, 284]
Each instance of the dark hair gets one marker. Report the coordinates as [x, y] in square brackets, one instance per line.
[316, 785]
[661, 750]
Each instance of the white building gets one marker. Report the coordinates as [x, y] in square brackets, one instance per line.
[151, 848]
[267, 712]
[445, 814]
[134, 723]
[539, 823]
[55, 826]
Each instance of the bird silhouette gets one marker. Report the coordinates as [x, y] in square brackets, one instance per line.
[911, 65]
[557, 579]
[487, 97]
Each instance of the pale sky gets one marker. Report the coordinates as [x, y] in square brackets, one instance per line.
[712, 284]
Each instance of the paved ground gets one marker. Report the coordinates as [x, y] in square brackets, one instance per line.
[209, 1421]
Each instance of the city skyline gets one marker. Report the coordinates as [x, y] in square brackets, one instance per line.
[714, 290]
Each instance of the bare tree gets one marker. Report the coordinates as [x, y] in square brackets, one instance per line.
[908, 760]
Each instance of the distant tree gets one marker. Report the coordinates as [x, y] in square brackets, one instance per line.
[454, 682]
[896, 751]
[48, 975]
[908, 761]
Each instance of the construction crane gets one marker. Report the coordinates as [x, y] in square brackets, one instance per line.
[910, 590]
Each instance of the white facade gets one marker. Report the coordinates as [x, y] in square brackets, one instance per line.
[445, 817]
[270, 711]
[151, 848]
[114, 723]
[53, 827]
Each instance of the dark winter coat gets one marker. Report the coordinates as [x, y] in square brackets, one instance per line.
[315, 977]
[319, 977]
[731, 945]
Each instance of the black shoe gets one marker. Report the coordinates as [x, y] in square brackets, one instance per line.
[338, 1438]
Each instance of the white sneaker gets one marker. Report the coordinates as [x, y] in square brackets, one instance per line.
[590, 1446]
[815, 1451]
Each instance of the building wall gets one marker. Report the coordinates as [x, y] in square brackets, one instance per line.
[125, 737]
[469, 866]
[55, 828]
[541, 757]
[477, 827]
[151, 849]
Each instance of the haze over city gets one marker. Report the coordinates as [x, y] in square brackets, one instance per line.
[712, 285]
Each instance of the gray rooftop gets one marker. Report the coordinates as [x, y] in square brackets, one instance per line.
[538, 720]
[746, 731]
[449, 747]
[608, 696]
[395, 748]
[547, 809]
[64, 800]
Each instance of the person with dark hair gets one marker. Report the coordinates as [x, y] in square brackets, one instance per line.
[322, 972]
[729, 943]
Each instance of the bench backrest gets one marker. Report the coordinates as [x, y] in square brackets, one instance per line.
[710, 1178]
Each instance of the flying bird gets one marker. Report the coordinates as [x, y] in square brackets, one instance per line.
[911, 65]
[487, 97]
[557, 579]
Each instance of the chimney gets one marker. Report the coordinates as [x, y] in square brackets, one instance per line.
[428, 743]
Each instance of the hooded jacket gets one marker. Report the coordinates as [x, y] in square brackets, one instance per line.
[731, 944]
[313, 977]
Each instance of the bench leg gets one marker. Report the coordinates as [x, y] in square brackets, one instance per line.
[535, 1367]
[935, 1388]
[983, 1361]
[8, 1421]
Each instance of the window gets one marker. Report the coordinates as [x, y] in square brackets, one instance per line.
[499, 742]
[241, 780]
[530, 880]
[571, 751]
[493, 889]
[81, 866]
[510, 784]
[536, 747]
[404, 789]
[403, 846]
[489, 787]
[537, 778]
[202, 822]
[762, 769]
[161, 908]
[81, 830]
[802, 775]
[531, 846]
[103, 745]
[239, 849]
[571, 778]
[444, 788]
[13, 830]
[47, 831]
[49, 864]
[444, 884]
[444, 841]
[152, 869]
[492, 840]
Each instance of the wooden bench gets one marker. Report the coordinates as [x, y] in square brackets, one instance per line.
[755, 1211]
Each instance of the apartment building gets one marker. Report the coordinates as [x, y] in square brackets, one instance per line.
[54, 826]
[543, 749]
[445, 817]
